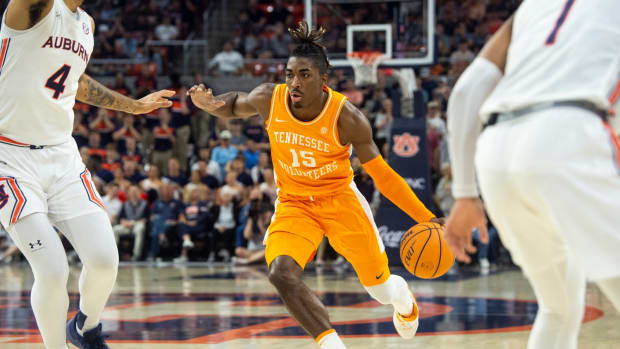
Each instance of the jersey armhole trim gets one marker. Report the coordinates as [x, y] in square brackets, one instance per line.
[274, 94]
[335, 125]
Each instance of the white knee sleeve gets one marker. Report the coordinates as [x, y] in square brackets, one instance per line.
[38, 241]
[393, 291]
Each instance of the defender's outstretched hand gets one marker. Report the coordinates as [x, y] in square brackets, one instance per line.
[154, 101]
[203, 98]
[466, 215]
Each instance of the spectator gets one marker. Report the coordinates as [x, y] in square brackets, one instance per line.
[353, 94]
[103, 125]
[131, 151]
[243, 176]
[251, 154]
[111, 202]
[225, 152]
[279, 41]
[383, 126]
[269, 187]
[258, 172]
[166, 30]
[443, 193]
[152, 181]
[164, 218]
[175, 176]
[95, 147]
[120, 180]
[127, 130]
[237, 138]
[111, 163]
[195, 182]
[132, 220]
[200, 119]
[131, 172]
[255, 130]
[460, 59]
[80, 131]
[254, 233]
[181, 116]
[164, 142]
[232, 186]
[120, 85]
[228, 62]
[222, 237]
[193, 221]
[434, 118]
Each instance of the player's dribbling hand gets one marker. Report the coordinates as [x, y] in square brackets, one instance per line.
[154, 101]
[203, 98]
[466, 215]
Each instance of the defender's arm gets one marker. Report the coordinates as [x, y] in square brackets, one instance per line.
[93, 93]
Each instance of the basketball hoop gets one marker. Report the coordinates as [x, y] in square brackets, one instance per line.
[365, 64]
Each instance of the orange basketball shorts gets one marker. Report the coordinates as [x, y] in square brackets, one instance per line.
[300, 222]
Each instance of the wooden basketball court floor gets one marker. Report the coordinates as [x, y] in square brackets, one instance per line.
[200, 306]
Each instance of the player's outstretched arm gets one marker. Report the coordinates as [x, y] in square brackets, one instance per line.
[235, 104]
[94, 93]
[354, 128]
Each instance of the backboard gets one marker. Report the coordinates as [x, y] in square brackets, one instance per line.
[402, 29]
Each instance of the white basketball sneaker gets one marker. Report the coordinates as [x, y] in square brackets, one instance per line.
[407, 326]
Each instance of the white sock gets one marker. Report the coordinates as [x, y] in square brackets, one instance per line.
[89, 324]
[330, 341]
[393, 291]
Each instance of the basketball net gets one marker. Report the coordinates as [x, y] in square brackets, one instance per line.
[365, 64]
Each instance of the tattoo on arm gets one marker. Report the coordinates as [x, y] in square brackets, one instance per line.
[94, 93]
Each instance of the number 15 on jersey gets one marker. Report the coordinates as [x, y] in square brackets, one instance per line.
[307, 158]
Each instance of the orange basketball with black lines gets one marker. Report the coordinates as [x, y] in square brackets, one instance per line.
[424, 251]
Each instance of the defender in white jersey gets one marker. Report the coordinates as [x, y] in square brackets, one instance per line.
[45, 46]
[547, 162]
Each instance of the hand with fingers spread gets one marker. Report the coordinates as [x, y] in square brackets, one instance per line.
[155, 100]
[203, 98]
[466, 215]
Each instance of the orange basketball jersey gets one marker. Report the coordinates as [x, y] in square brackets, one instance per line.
[308, 158]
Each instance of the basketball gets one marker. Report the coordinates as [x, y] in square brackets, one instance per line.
[424, 251]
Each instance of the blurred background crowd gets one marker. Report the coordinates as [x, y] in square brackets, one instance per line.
[180, 184]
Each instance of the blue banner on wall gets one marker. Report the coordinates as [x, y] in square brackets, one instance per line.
[409, 157]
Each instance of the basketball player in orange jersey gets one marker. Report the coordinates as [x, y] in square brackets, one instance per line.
[312, 130]
[45, 47]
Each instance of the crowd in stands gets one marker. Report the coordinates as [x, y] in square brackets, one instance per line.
[181, 184]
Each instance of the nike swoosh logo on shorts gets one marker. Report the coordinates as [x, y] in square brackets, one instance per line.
[380, 275]
[278, 120]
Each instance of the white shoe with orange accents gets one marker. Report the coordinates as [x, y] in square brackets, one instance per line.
[407, 326]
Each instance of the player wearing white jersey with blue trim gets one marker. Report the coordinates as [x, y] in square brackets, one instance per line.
[547, 161]
[45, 46]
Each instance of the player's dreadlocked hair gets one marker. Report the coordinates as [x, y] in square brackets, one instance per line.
[309, 45]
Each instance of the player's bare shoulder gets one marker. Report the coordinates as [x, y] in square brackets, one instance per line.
[353, 125]
[260, 98]
[24, 14]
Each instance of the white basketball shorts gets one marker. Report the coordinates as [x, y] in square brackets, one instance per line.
[50, 179]
[551, 184]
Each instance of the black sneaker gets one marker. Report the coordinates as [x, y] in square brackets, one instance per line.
[92, 339]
